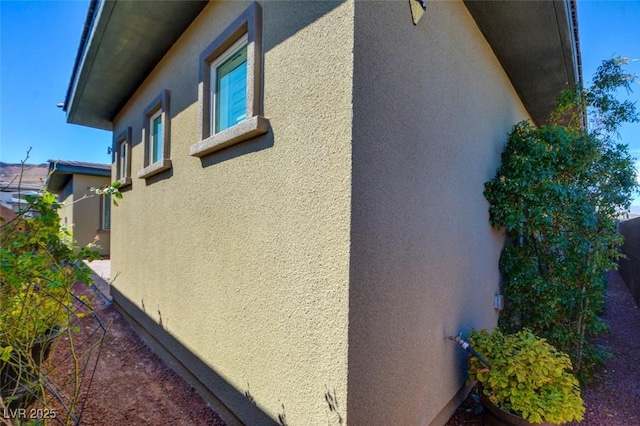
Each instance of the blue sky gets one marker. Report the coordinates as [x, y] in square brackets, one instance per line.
[38, 44]
[609, 29]
[39, 40]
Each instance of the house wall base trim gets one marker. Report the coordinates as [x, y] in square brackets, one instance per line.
[194, 371]
[445, 414]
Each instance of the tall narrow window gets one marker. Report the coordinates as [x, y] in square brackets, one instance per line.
[106, 213]
[124, 160]
[123, 157]
[156, 137]
[229, 87]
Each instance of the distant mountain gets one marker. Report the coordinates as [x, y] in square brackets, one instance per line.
[33, 175]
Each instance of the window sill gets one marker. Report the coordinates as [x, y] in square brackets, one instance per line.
[124, 182]
[154, 169]
[248, 129]
[103, 231]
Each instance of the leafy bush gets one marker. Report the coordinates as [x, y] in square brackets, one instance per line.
[36, 274]
[528, 376]
[38, 267]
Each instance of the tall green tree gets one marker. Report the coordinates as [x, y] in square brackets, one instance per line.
[558, 194]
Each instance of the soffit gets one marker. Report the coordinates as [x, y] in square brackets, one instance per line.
[123, 41]
[536, 43]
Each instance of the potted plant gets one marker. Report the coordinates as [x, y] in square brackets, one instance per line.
[529, 381]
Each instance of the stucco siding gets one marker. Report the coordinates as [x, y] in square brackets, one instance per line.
[432, 107]
[66, 210]
[243, 255]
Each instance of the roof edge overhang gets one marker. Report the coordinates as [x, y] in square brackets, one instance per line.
[61, 172]
[537, 44]
[122, 41]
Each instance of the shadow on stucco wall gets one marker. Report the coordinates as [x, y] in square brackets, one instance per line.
[221, 395]
[251, 146]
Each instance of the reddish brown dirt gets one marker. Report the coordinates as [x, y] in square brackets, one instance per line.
[131, 385]
[613, 398]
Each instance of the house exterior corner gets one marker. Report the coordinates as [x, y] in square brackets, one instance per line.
[303, 221]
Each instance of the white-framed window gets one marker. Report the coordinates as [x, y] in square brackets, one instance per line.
[229, 87]
[230, 92]
[156, 139]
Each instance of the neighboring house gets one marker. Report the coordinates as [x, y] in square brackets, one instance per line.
[86, 214]
[19, 180]
[303, 220]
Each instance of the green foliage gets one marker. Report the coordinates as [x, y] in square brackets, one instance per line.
[113, 191]
[39, 264]
[37, 270]
[557, 194]
[528, 376]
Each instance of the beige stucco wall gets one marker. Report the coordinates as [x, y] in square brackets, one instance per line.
[83, 216]
[244, 256]
[432, 107]
[66, 210]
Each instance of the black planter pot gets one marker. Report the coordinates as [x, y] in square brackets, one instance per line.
[495, 416]
[18, 381]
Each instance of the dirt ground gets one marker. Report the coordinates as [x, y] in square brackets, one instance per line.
[131, 385]
[613, 398]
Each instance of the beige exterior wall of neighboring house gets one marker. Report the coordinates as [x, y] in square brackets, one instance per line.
[84, 218]
[428, 129]
[243, 255]
[65, 198]
[87, 214]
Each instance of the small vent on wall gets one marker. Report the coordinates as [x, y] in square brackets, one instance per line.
[418, 7]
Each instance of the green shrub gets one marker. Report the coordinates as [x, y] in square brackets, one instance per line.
[38, 267]
[37, 270]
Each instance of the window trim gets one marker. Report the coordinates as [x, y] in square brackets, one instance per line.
[160, 105]
[248, 24]
[123, 176]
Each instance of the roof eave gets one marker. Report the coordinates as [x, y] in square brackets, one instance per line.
[60, 173]
[121, 44]
[535, 41]
[537, 44]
